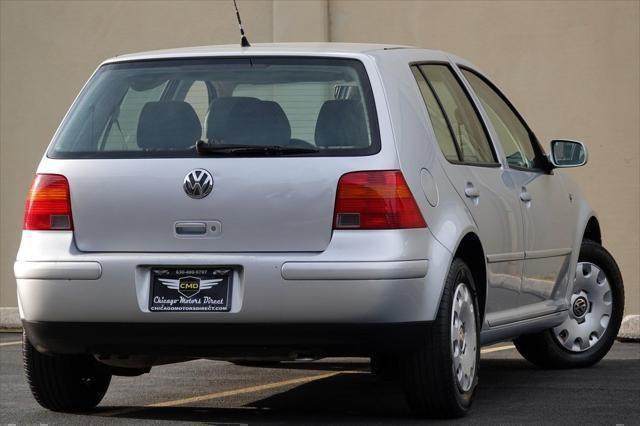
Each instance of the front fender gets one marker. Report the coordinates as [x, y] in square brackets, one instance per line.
[582, 211]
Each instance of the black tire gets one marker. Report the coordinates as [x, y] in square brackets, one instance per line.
[65, 383]
[427, 369]
[384, 367]
[544, 350]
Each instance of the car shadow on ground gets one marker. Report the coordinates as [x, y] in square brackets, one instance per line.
[510, 391]
[314, 366]
[345, 398]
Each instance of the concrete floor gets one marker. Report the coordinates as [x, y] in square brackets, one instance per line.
[336, 391]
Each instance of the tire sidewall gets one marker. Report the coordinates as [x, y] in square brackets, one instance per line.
[55, 381]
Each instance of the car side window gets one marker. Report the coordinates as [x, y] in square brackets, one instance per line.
[517, 141]
[468, 130]
[198, 97]
[438, 120]
[121, 130]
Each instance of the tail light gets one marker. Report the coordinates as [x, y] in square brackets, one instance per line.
[48, 204]
[376, 200]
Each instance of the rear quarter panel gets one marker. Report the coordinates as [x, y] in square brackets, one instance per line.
[447, 217]
[416, 146]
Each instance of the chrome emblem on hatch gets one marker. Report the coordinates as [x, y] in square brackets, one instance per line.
[198, 183]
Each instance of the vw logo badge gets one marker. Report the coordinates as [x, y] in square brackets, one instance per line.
[580, 306]
[198, 183]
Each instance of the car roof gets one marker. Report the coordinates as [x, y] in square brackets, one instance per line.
[386, 52]
[260, 49]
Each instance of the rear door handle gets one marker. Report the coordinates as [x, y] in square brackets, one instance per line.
[525, 196]
[471, 191]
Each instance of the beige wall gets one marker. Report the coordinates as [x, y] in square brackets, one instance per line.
[572, 68]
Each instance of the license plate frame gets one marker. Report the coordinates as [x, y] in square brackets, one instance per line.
[190, 289]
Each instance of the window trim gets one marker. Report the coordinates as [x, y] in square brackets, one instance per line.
[461, 162]
[535, 143]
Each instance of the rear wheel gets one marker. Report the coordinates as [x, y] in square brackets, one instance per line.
[64, 382]
[441, 373]
[595, 314]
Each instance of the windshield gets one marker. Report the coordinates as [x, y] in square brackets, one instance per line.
[162, 108]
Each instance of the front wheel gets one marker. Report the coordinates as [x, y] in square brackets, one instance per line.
[441, 373]
[594, 317]
[64, 383]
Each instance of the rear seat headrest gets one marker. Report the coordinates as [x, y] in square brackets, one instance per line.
[342, 123]
[248, 121]
[220, 112]
[168, 125]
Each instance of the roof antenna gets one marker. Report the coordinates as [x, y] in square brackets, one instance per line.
[243, 38]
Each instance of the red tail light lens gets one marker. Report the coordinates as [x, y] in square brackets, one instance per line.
[376, 200]
[48, 204]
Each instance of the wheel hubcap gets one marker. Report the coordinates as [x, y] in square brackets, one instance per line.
[580, 306]
[463, 337]
[590, 311]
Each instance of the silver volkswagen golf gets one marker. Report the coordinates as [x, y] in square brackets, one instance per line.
[302, 201]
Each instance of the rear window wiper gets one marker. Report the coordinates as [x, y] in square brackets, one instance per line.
[208, 149]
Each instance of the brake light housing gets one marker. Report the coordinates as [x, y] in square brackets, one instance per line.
[48, 204]
[379, 199]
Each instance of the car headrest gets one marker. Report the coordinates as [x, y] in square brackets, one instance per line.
[168, 125]
[219, 114]
[249, 121]
[342, 123]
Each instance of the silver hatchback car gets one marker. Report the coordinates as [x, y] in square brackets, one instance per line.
[309, 200]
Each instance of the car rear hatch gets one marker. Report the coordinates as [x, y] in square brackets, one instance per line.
[261, 204]
[276, 135]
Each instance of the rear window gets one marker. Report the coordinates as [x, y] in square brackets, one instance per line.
[161, 108]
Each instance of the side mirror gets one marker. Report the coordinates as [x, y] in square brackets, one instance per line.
[566, 153]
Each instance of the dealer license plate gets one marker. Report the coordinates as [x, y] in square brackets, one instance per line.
[190, 289]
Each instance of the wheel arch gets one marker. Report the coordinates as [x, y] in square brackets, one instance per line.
[592, 230]
[470, 250]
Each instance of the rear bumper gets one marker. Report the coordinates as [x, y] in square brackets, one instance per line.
[393, 270]
[222, 340]
[305, 271]
[57, 270]
[363, 277]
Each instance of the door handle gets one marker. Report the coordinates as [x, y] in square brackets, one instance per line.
[471, 191]
[525, 196]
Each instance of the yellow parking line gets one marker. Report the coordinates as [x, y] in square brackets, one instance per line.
[16, 342]
[228, 393]
[497, 349]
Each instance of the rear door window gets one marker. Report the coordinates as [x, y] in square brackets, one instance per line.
[465, 124]
[199, 97]
[161, 108]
